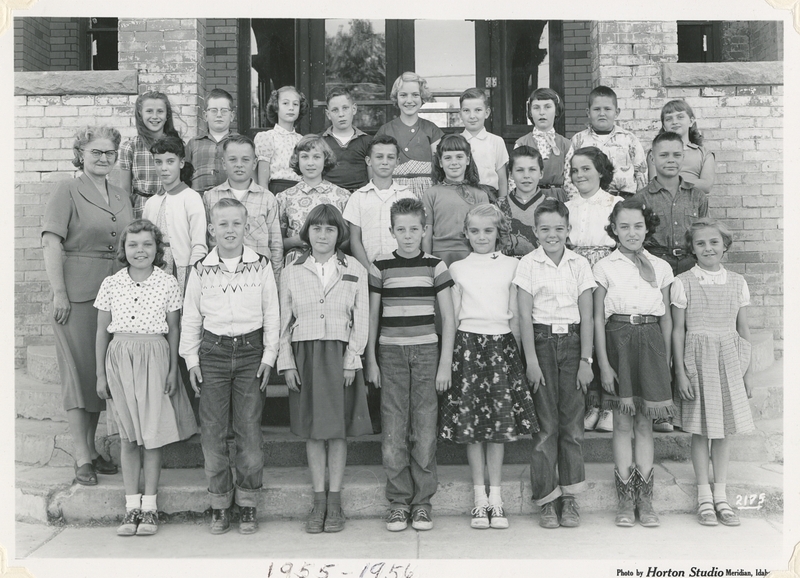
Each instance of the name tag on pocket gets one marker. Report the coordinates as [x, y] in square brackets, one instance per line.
[559, 328]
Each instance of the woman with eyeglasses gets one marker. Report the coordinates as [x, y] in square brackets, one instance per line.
[82, 222]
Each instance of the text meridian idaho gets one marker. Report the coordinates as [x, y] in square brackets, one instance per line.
[694, 571]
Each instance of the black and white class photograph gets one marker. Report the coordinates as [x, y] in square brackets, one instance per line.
[439, 294]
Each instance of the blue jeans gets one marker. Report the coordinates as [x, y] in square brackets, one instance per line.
[557, 459]
[409, 410]
[229, 366]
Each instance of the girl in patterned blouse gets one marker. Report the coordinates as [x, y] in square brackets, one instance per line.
[137, 370]
[285, 108]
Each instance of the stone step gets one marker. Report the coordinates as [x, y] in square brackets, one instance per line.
[49, 443]
[767, 389]
[42, 363]
[48, 495]
[37, 399]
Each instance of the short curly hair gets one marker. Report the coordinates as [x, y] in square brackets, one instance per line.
[272, 104]
[706, 223]
[307, 143]
[138, 226]
[424, 91]
[601, 163]
[501, 222]
[88, 134]
[651, 220]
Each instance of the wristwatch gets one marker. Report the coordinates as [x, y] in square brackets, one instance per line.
[588, 360]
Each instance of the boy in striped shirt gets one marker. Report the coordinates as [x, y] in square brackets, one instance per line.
[409, 367]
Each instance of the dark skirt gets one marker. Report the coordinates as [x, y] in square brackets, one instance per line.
[638, 354]
[489, 400]
[76, 358]
[324, 408]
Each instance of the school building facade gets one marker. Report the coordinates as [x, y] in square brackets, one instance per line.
[70, 72]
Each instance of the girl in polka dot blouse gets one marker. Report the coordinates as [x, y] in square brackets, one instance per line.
[137, 370]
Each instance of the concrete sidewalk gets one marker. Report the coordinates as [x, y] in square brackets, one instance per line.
[680, 537]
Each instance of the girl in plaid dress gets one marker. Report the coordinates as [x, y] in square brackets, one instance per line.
[489, 402]
[711, 344]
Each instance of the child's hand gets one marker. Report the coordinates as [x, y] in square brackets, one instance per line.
[349, 376]
[102, 388]
[684, 385]
[292, 380]
[535, 376]
[263, 375]
[195, 379]
[748, 387]
[585, 376]
[373, 374]
[171, 386]
[607, 378]
[443, 377]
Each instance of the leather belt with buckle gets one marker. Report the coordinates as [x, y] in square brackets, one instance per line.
[635, 319]
[678, 252]
[557, 328]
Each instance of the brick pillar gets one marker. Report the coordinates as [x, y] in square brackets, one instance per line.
[627, 57]
[170, 55]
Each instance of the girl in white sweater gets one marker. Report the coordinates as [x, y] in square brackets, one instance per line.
[489, 403]
[177, 210]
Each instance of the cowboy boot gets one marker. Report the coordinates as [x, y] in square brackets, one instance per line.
[626, 517]
[644, 500]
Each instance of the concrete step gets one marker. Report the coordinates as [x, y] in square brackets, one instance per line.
[767, 384]
[42, 363]
[48, 443]
[47, 495]
[37, 399]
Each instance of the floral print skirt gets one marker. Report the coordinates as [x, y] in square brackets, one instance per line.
[489, 400]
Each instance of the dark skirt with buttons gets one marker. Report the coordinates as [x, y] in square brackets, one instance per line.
[324, 408]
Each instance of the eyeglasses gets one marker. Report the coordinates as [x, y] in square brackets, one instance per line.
[96, 154]
[216, 111]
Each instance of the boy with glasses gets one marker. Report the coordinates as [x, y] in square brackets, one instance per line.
[205, 152]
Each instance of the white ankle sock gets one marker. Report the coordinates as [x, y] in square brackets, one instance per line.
[133, 501]
[703, 493]
[719, 493]
[495, 499]
[480, 496]
[149, 503]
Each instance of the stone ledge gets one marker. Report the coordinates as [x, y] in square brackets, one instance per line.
[721, 73]
[76, 82]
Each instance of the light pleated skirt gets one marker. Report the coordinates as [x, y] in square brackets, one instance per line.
[137, 366]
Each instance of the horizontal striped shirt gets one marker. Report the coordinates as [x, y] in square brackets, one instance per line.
[408, 289]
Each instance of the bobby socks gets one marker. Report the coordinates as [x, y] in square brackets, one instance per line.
[703, 493]
[334, 499]
[494, 496]
[480, 496]
[719, 493]
[133, 502]
[149, 503]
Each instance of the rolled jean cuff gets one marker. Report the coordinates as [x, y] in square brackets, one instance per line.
[221, 501]
[573, 489]
[552, 496]
[247, 498]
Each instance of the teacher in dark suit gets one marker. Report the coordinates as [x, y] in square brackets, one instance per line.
[83, 221]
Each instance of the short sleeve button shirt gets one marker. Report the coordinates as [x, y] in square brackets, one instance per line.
[139, 307]
[276, 147]
[626, 292]
[135, 156]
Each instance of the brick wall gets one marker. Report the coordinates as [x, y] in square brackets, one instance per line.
[739, 109]
[735, 41]
[44, 132]
[766, 41]
[31, 43]
[222, 42]
[170, 56]
[577, 74]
